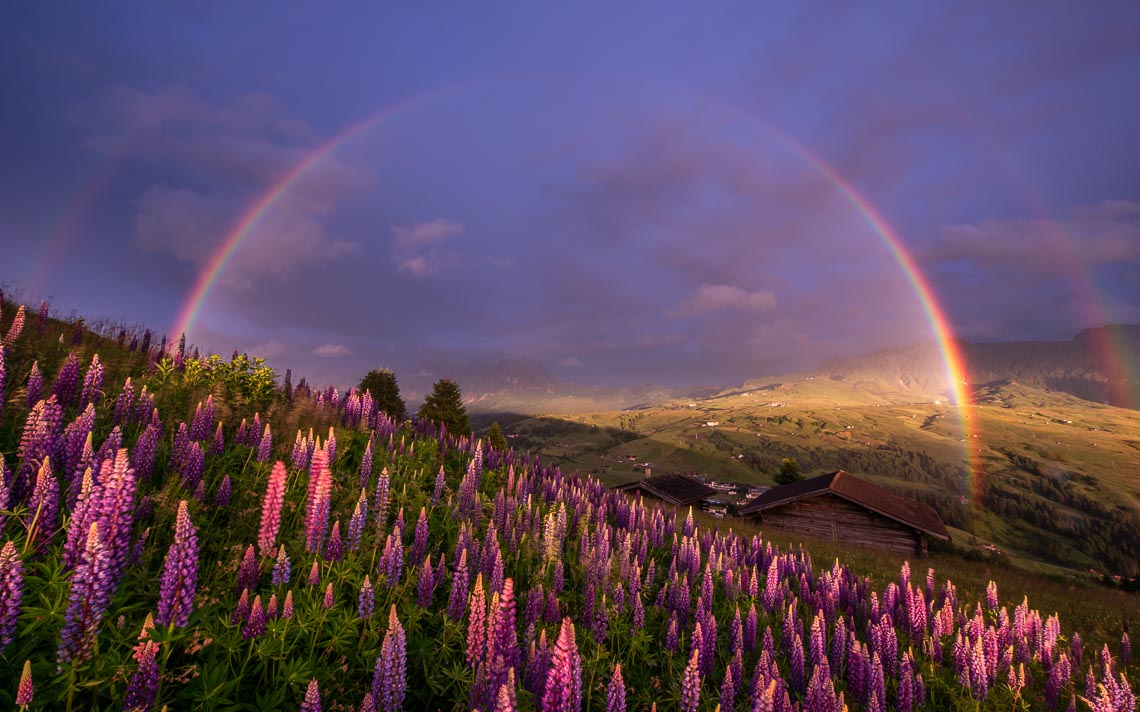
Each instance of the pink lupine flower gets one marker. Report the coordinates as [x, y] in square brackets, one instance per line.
[271, 509]
[312, 701]
[265, 445]
[691, 683]
[328, 601]
[287, 606]
[242, 609]
[563, 691]
[476, 624]
[27, 689]
[248, 570]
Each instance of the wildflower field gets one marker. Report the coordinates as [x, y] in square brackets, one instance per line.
[182, 532]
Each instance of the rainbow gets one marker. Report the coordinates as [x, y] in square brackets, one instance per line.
[956, 367]
[216, 264]
[951, 351]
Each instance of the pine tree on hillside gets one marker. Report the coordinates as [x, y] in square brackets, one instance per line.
[789, 472]
[495, 437]
[445, 405]
[386, 392]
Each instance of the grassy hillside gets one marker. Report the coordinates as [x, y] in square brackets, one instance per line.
[1059, 476]
[388, 566]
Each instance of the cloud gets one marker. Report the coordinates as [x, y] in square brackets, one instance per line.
[417, 249]
[571, 362]
[1038, 277]
[332, 351]
[716, 297]
[241, 148]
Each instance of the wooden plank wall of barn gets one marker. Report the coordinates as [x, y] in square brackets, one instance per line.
[829, 517]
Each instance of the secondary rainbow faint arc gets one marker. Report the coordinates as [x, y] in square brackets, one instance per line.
[250, 218]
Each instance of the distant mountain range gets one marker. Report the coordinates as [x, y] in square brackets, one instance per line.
[1097, 365]
[1089, 367]
[516, 385]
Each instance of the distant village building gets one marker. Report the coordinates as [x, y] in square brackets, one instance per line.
[843, 507]
[676, 489]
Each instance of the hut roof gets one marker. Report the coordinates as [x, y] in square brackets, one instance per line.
[675, 488]
[858, 491]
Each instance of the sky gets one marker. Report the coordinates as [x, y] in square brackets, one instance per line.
[623, 193]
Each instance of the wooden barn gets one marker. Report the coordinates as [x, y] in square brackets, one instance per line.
[841, 506]
[676, 489]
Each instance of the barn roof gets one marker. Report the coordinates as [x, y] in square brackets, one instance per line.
[675, 488]
[858, 491]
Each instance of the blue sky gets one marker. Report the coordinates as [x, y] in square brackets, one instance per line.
[597, 187]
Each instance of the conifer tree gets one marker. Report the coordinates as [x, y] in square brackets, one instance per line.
[495, 437]
[385, 392]
[445, 405]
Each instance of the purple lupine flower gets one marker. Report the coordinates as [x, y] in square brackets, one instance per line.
[143, 686]
[146, 449]
[87, 601]
[179, 573]
[312, 701]
[1125, 650]
[255, 624]
[366, 465]
[265, 446]
[328, 601]
[728, 692]
[114, 510]
[392, 561]
[4, 378]
[287, 606]
[334, 551]
[271, 509]
[425, 588]
[563, 691]
[38, 441]
[66, 385]
[192, 466]
[242, 609]
[615, 692]
[5, 493]
[124, 410]
[225, 490]
[690, 683]
[248, 570]
[44, 505]
[92, 383]
[366, 603]
[358, 521]
[26, 689]
[437, 493]
[35, 383]
[218, 446]
[281, 568]
[419, 545]
[11, 592]
[390, 683]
